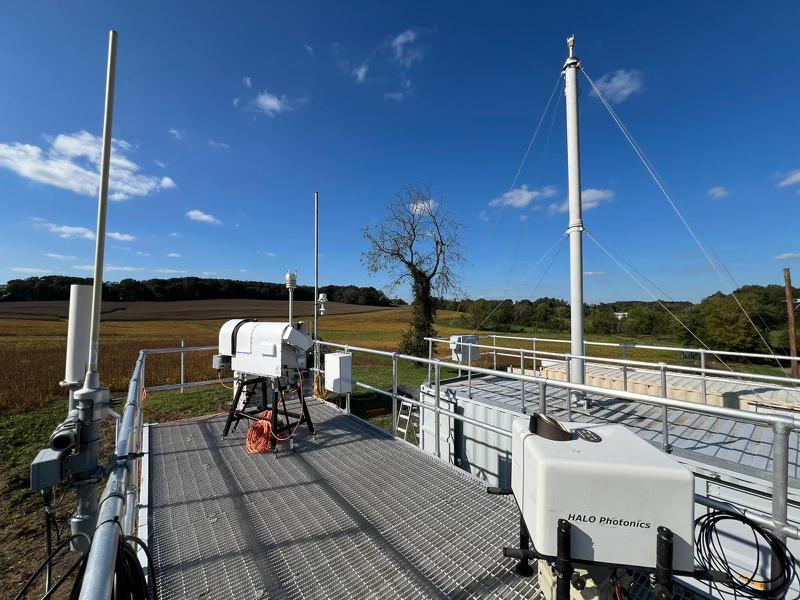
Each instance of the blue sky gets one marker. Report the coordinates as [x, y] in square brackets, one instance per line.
[228, 118]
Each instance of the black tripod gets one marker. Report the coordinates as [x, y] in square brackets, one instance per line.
[235, 415]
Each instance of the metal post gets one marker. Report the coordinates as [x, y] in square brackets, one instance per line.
[575, 229]
[703, 387]
[183, 365]
[665, 414]
[91, 401]
[394, 394]
[316, 282]
[437, 416]
[430, 357]
[624, 368]
[567, 361]
[469, 373]
[787, 280]
[543, 398]
[521, 382]
[780, 476]
[291, 306]
[533, 356]
[494, 352]
[564, 568]
[663, 574]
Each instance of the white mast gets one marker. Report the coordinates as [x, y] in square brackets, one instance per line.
[575, 229]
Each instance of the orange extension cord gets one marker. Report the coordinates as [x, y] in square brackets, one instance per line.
[259, 436]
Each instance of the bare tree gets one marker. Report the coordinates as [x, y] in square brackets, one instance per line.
[418, 243]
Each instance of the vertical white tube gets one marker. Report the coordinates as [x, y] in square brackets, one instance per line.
[80, 314]
[575, 228]
[102, 206]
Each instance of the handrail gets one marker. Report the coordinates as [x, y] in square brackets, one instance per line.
[111, 523]
[626, 362]
[718, 411]
[634, 345]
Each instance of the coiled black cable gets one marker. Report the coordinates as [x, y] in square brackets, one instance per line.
[745, 584]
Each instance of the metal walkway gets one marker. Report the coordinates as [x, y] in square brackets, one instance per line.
[353, 513]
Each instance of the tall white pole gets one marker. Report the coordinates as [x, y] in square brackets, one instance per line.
[102, 207]
[316, 278]
[575, 229]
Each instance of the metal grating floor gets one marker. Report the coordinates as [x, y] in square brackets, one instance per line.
[353, 513]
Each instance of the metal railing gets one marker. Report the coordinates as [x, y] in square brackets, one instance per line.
[781, 425]
[120, 501]
[121, 498]
[788, 384]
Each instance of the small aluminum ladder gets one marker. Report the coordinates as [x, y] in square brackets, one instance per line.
[407, 418]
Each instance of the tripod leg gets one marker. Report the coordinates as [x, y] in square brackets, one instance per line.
[304, 409]
[234, 404]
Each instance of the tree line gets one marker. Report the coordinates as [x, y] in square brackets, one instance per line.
[56, 287]
[718, 320]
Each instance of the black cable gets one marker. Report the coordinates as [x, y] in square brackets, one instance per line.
[46, 561]
[150, 567]
[711, 556]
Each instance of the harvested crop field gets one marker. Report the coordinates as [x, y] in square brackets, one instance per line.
[180, 310]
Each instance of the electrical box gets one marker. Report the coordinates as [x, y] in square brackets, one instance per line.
[339, 372]
[46, 469]
[263, 349]
[615, 489]
[461, 352]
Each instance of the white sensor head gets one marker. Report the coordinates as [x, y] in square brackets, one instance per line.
[291, 280]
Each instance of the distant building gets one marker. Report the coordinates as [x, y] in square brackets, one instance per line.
[621, 315]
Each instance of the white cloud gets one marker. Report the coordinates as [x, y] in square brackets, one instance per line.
[787, 256]
[72, 162]
[524, 217]
[718, 192]
[169, 271]
[67, 231]
[521, 197]
[790, 179]
[247, 82]
[209, 273]
[31, 270]
[270, 254]
[620, 85]
[394, 96]
[140, 253]
[178, 134]
[309, 49]
[199, 215]
[405, 52]
[423, 207]
[483, 216]
[235, 102]
[120, 237]
[218, 144]
[242, 270]
[59, 256]
[271, 104]
[173, 255]
[590, 198]
[175, 234]
[161, 163]
[360, 72]
[108, 268]
[594, 273]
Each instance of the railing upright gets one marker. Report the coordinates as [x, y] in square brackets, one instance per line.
[522, 382]
[624, 367]
[394, 395]
[494, 352]
[665, 414]
[703, 383]
[183, 365]
[437, 415]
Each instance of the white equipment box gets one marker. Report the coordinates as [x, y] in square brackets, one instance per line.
[264, 349]
[612, 486]
[461, 352]
[339, 372]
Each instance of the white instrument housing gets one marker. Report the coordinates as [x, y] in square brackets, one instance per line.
[264, 349]
[615, 489]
